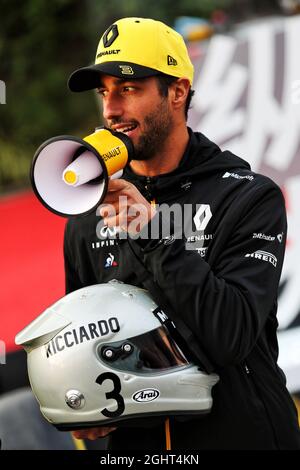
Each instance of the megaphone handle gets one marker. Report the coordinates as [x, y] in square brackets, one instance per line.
[116, 175]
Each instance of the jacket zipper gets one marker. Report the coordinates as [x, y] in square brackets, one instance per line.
[148, 188]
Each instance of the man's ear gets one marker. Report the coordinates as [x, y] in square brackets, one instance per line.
[178, 92]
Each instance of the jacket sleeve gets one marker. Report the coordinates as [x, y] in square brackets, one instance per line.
[72, 281]
[226, 301]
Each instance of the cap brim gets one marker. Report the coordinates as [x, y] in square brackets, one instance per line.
[88, 78]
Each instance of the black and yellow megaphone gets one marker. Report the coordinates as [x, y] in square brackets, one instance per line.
[70, 175]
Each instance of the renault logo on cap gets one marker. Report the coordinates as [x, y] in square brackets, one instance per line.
[110, 35]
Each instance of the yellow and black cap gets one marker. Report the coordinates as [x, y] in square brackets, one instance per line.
[136, 48]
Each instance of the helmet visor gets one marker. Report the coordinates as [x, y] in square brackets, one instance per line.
[153, 351]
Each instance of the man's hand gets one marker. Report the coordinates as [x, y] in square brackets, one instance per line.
[93, 433]
[125, 207]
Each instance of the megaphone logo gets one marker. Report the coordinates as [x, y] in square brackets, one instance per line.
[70, 175]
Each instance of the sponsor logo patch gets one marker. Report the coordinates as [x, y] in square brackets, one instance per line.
[237, 177]
[202, 251]
[280, 237]
[102, 243]
[113, 51]
[126, 70]
[107, 232]
[202, 217]
[171, 60]
[112, 153]
[146, 395]
[199, 238]
[263, 256]
[262, 236]
[110, 261]
[110, 35]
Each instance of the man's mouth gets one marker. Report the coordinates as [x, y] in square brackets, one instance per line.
[125, 128]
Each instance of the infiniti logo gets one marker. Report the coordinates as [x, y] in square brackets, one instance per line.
[107, 232]
[148, 394]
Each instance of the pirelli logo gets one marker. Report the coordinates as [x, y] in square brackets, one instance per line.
[263, 256]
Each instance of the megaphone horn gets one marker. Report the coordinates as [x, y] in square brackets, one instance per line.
[70, 175]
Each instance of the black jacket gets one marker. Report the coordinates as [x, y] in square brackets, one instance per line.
[222, 280]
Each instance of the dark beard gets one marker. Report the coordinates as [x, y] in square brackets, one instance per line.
[158, 125]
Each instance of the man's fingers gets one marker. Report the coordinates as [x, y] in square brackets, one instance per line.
[117, 220]
[118, 185]
[116, 197]
[125, 207]
[113, 208]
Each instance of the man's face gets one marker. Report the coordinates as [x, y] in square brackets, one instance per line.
[136, 108]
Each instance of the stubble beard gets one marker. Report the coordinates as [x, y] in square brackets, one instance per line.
[157, 128]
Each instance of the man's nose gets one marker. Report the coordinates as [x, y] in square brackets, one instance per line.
[112, 107]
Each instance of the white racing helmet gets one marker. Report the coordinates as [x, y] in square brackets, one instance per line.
[103, 354]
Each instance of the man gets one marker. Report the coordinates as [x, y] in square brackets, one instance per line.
[218, 270]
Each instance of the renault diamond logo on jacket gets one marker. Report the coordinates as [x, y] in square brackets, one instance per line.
[110, 261]
[202, 217]
[148, 394]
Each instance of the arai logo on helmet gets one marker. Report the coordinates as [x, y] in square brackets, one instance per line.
[148, 394]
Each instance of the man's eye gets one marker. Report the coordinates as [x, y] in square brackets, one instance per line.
[101, 92]
[128, 88]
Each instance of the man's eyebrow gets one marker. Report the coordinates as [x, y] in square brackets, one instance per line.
[119, 81]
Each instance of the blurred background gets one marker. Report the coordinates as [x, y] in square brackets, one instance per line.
[247, 83]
